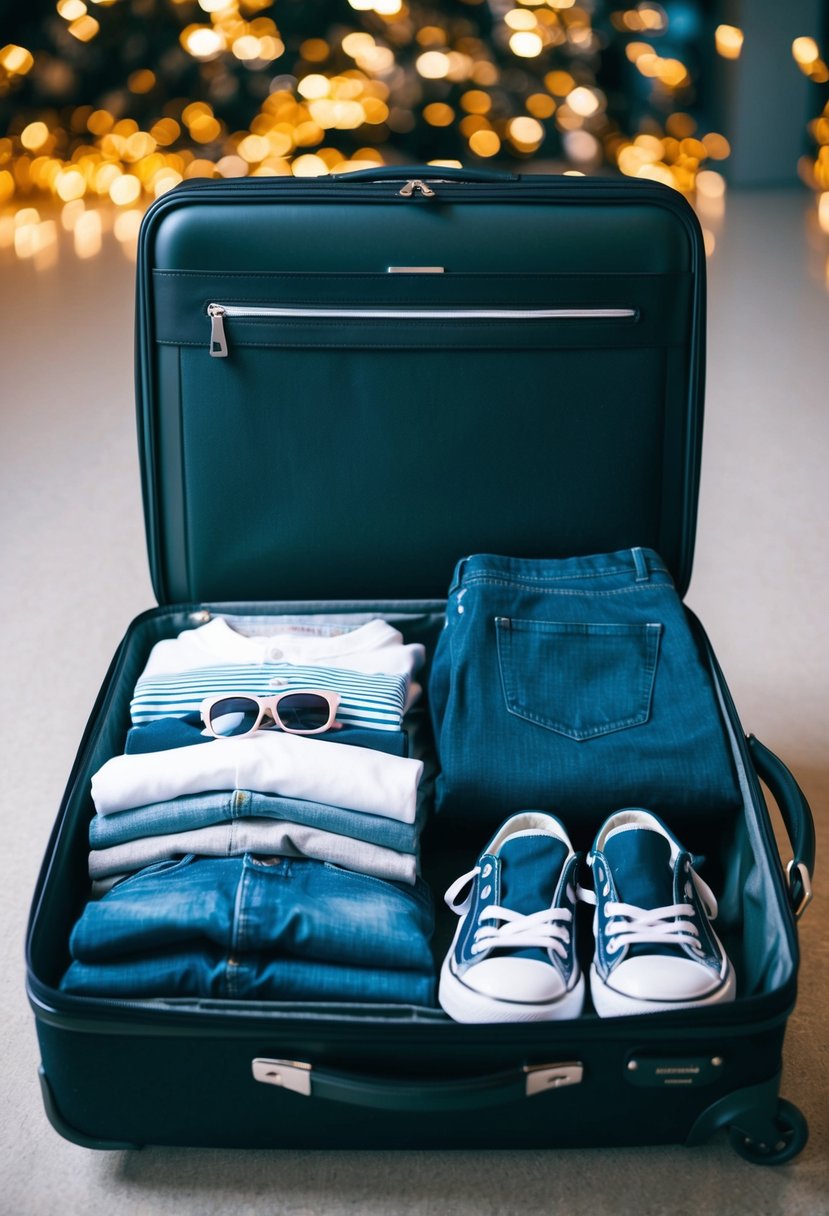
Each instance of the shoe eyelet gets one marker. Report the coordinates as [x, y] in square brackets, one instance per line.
[486, 892]
[487, 870]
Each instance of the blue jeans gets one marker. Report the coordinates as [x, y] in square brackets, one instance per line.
[575, 686]
[307, 910]
[213, 973]
[222, 806]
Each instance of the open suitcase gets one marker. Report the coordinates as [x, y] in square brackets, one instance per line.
[342, 459]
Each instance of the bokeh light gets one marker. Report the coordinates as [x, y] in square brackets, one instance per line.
[728, 40]
[251, 88]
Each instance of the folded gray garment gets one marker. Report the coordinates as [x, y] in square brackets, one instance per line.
[263, 836]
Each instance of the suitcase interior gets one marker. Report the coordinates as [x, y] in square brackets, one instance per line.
[579, 443]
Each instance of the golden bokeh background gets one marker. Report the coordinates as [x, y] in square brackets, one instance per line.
[370, 82]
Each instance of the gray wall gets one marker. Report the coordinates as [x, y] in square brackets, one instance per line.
[763, 101]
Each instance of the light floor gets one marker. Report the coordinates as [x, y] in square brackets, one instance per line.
[74, 573]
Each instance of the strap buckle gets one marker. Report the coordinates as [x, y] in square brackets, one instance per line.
[796, 871]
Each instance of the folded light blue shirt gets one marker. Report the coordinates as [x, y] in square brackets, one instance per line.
[222, 806]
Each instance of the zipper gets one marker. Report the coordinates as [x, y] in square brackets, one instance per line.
[416, 186]
[218, 341]
[218, 312]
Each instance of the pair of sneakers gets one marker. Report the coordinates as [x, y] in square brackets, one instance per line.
[513, 958]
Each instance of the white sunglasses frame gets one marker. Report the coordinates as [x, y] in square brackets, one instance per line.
[269, 706]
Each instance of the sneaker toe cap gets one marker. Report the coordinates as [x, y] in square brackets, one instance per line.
[515, 979]
[661, 978]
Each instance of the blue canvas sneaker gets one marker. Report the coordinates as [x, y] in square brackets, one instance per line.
[655, 948]
[513, 958]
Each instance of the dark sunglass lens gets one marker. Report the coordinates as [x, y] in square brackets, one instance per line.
[303, 711]
[233, 716]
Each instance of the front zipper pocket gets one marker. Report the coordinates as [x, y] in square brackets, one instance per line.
[218, 312]
[367, 396]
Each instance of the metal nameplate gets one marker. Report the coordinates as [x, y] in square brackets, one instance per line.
[662, 1072]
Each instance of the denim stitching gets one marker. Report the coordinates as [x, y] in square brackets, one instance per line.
[640, 587]
[483, 575]
[355, 876]
[654, 567]
[652, 635]
[239, 921]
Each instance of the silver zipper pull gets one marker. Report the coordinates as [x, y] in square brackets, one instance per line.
[416, 186]
[218, 341]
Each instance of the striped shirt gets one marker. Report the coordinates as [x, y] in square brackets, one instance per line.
[373, 701]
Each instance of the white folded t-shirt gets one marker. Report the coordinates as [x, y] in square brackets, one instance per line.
[269, 762]
[374, 647]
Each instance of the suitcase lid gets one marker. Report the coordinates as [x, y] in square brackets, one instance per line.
[404, 370]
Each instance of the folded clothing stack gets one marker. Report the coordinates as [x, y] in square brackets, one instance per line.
[224, 863]
[265, 765]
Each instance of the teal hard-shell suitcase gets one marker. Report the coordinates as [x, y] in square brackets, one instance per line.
[338, 396]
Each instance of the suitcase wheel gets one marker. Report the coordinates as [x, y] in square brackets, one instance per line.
[787, 1134]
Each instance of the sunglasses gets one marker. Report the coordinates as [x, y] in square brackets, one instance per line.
[297, 713]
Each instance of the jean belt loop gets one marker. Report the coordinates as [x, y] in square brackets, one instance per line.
[459, 573]
[642, 574]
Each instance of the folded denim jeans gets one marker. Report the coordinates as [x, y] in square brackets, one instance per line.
[223, 806]
[576, 686]
[258, 977]
[279, 906]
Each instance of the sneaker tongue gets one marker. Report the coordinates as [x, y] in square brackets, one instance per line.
[530, 870]
[640, 861]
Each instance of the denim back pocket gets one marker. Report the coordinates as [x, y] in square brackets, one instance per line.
[579, 679]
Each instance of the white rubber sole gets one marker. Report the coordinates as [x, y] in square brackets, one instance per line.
[464, 1004]
[608, 1003]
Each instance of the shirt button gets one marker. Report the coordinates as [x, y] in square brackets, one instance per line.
[274, 653]
[277, 683]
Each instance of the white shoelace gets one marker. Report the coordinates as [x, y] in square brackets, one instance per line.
[659, 926]
[545, 929]
[631, 925]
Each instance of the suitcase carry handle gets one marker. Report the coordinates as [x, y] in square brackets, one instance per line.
[388, 1093]
[797, 818]
[403, 173]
